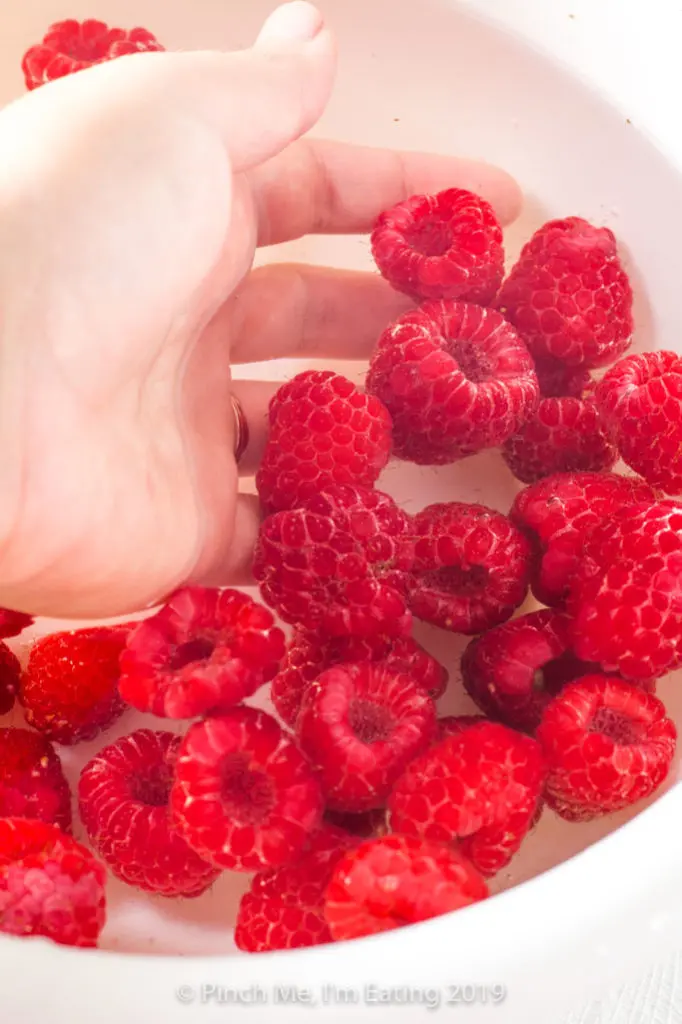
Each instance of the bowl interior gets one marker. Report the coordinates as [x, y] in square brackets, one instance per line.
[430, 76]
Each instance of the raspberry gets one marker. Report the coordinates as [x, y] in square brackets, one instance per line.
[360, 725]
[70, 46]
[50, 885]
[562, 435]
[455, 378]
[625, 596]
[640, 399]
[333, 566]
[558, 514]
[10, 674]
[203, 652]
[70, 688]
[568, 295]
[607, 745]
[32, 781]
[284, 908]
[471, 567]
[481, 787]
[397, 880]
[557, 380]
[323, 431]
[124, 796]
[442, 246]
[244, 795]
[309, 655]
[513, 671]
[13, 623]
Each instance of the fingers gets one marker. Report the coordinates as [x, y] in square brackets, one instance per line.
[233, 566]
[257, 100]
[322, 187]
[254, 397]
[301, 311]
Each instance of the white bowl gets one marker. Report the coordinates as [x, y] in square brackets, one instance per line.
[419, 75]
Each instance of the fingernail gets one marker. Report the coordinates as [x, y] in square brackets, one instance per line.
[296, 22]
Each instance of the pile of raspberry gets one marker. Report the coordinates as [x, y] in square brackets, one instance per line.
[356, 805]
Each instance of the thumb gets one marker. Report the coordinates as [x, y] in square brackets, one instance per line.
[261, 99]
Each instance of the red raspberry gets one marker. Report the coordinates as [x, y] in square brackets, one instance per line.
[308, 655]
[50, 885]
[323, 432]
[442, 246]
[360, 725]
[607, 745]
[124, 797]
[455, 378]
[557, 380]
[10, 675]
[244, 795]
[481, 787]
[32, 781]
[70, 688]
[203, 652]
[568, 295]
[333, 566]
[471, 567]
[625, 595]
[558, 514]
[453, 725]
[70, 46]
[640, 400]
[513, 671]
[397, 880]
[284, 908]
[13, 623]
[562, 435]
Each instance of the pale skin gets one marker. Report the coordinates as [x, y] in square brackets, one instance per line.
[132, 199]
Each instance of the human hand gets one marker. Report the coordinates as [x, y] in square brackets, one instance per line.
[132, 198]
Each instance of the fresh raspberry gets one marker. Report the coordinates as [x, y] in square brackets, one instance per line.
[13, 623]
[558, 380]
[454, 725]
[10, 675]
[625, 597]
[562, 435]
[308, 655]
[360, 725]
[568, 295]
[203, 652]
[244, 795]
[396, 880]
[471, 567]
[70, 46]
[640, 400]
[607, 745]
[284, 908]
[323, 432]
[442, 246]
[480, 787]
[333, 566]
[50, 885]
[455, 378]
[70, 687]
[558, 514]
[513, 671]
[124, 797]
[32, 781]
